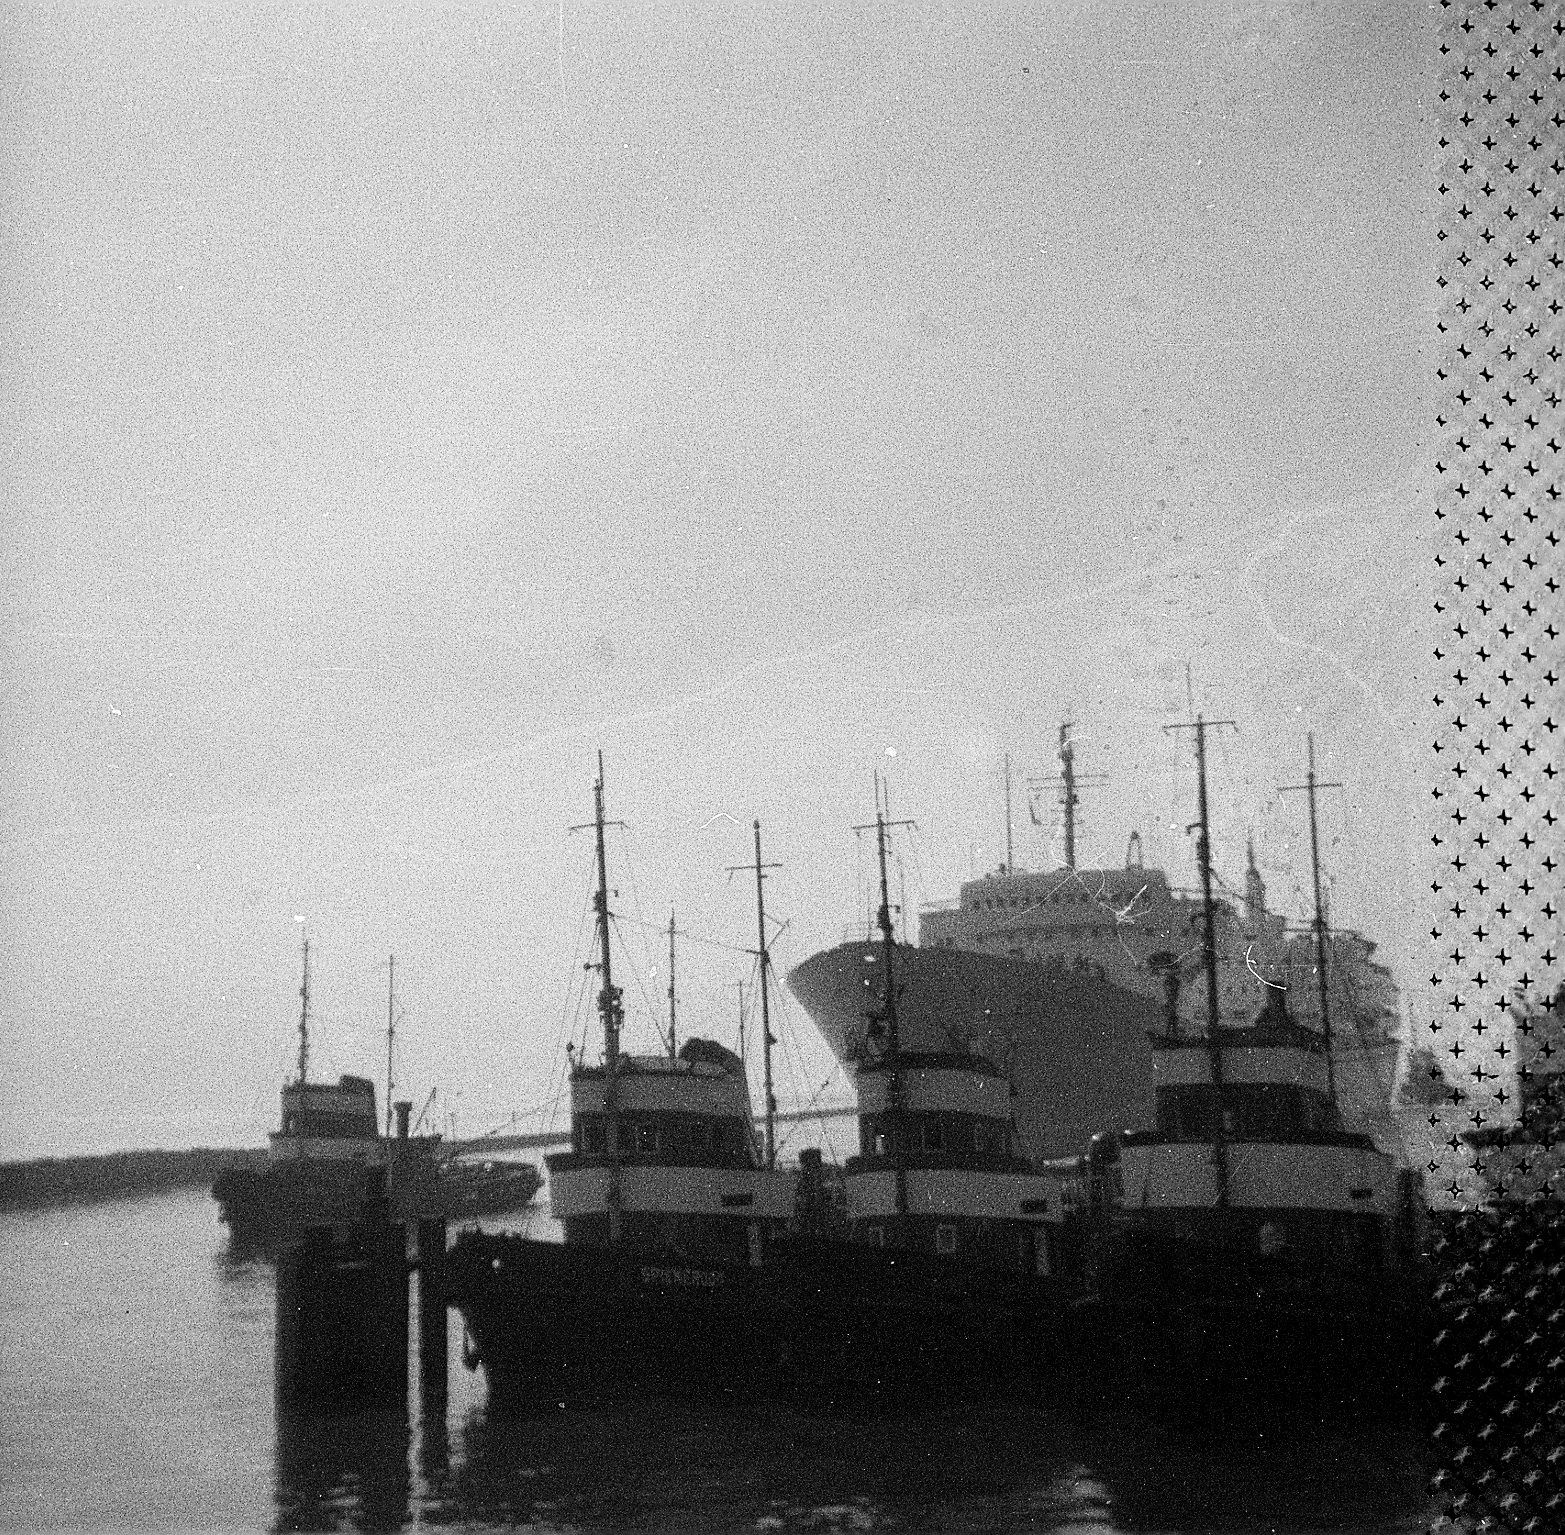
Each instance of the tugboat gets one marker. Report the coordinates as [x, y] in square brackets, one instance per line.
[690, 1260]
[1249, 1251]
[328, 1158]
[959, 1250]
[668, 1205]
[1046, 969]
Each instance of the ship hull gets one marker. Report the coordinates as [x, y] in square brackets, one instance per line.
[268, 1206]
[1075, 1045]
[826, 1326]
[1182, 1328]
[563, 1326]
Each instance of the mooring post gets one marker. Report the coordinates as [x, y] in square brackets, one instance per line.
[342, 1318]
[432, 1361]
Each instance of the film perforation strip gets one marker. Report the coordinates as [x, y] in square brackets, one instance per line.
[1498, 1034]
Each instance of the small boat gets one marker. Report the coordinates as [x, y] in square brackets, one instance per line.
[668, 1204]
[1248, 1250]
[328, 1162]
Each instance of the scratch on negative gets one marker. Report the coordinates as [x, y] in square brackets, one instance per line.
[1256, 973]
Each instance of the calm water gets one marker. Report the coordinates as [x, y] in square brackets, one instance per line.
[136, 1393]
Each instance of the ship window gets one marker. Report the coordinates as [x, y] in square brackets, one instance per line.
[945, 1239]
[627, 1135]
[876, 1236]
[592, 1135]
[932, 1138]
[988, 1137]
[698, 1136]
[647, 1138]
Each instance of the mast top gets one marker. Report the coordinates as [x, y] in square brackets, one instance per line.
[1069, 781]
[1308, 788]
[304, 1017]
[763, 965]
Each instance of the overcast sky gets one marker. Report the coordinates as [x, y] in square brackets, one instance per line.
[402, 404]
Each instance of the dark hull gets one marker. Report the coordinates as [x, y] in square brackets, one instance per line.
[823, 1325]
[558, 1326]
[895, 1328]
[1184, 1329]
[1076, 1046]
[268, 1206]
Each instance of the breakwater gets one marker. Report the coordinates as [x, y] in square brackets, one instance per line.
[49, 1181]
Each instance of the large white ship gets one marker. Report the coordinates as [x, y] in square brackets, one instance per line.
[1048, 973]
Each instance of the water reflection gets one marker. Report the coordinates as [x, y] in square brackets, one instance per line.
[343, 1472]
[675, 1466]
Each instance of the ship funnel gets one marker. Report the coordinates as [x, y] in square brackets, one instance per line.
[404, 1113]
[1165, 964]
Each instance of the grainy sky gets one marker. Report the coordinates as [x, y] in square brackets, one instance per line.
[401, 404]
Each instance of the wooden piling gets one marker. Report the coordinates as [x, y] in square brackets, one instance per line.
[342, 1318]
[432, 1357]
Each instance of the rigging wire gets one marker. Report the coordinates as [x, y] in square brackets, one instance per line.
[641, 983]
[635, 900]
[788, 1035]
[821, 1123]
[688, 937]
[572, 1010]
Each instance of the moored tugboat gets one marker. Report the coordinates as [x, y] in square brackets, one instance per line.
[669, 1207]
[1248, 1251]
[953, 1280]
[328, 1159]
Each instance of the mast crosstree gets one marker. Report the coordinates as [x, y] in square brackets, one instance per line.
[1069, 781]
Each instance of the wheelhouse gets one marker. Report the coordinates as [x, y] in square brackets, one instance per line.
[323, 1119]
[678, 1146]
[1296, 1180]
[938, 1170]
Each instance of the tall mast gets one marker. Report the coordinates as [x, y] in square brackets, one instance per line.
[304, 1017]
[608, 1013]
[1068, 793]
[888, 1013]
[763, 955]
[673, 1048]
[1069, 781]
[1214, 1047]
[1009, 857]
[766, 1022]
[1309, 786]
[391, 1031]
